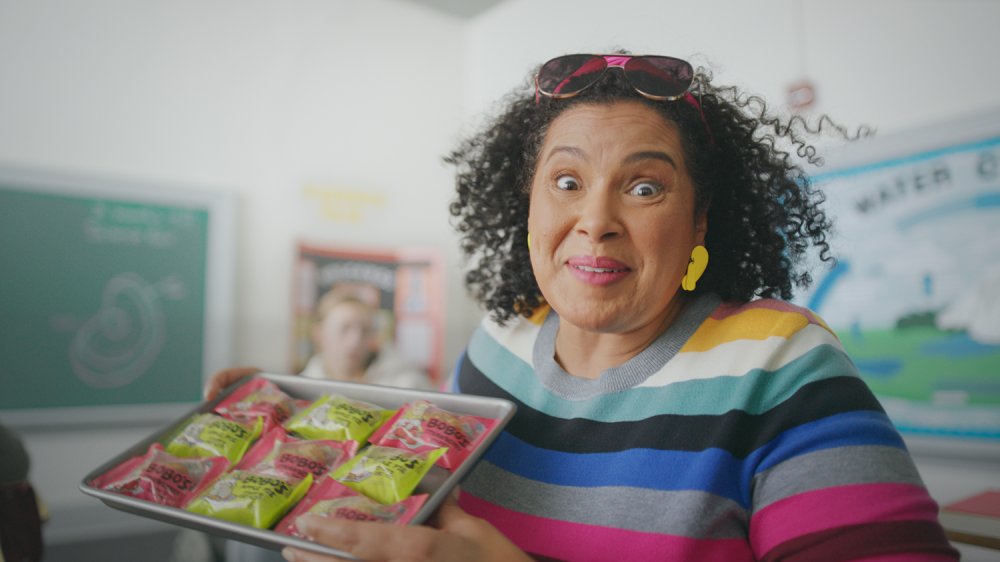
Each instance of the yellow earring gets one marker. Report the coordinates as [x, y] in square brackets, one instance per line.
[696, 267]
[529, 240]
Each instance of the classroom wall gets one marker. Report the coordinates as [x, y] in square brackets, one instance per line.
[257, 98]
[890, 64]
[261, 97]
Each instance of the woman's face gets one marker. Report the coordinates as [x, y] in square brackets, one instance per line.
[346, 337]
[612, 217]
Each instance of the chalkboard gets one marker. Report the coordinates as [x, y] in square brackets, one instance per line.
[115, 297]
[915, 295]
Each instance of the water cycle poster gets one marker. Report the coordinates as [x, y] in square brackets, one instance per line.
[915, 296]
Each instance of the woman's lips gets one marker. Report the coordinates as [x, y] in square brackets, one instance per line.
[597, 270]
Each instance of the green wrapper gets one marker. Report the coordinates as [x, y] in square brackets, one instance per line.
[386, 474]
[338, 418]
[250, 499]
[211, 435]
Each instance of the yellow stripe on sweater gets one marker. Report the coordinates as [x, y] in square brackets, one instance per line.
[752, 324]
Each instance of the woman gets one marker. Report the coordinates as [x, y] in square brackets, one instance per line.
[626, 216]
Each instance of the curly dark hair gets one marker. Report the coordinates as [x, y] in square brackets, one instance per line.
[764, 214]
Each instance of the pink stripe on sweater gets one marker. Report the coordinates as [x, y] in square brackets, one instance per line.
[824, 509]
[908, 557]
[579, 542]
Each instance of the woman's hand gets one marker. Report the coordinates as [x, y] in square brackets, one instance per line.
[458, 537]
[222, 379]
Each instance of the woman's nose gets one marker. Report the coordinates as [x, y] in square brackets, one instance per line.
[599, 217]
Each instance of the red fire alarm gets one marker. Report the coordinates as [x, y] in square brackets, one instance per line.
[801, 95]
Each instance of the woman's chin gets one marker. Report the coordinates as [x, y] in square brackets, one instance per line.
[616, 316]
[605, 321]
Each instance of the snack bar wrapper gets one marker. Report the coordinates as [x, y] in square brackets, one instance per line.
[422, 426]
[250, 499]
[284, 456]
[386, 474]
[258, 398]
[332, 499]
[299, 405]
[161, 477]
[338, 418]
[210, 435]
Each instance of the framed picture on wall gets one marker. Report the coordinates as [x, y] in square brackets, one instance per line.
[404, 285]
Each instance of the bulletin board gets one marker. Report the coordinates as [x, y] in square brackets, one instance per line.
[116, 297]
[405, 285]
[915, 295]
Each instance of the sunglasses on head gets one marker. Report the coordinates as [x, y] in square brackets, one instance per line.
[656, 77]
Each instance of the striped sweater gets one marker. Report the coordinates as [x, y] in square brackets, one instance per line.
[742, 433]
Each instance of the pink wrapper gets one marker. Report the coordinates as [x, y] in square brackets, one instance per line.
[281, 455]
[258, 398]
[161, 477]
[332, 499]
[422, 426]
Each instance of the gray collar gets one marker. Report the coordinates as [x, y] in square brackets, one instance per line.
[622, 377]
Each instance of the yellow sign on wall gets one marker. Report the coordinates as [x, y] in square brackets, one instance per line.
[344, 205]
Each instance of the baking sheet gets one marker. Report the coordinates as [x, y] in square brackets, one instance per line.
[437, 483]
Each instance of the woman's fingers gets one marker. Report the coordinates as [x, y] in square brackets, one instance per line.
[226, 377]
[458, 537]
[377, 542]
[449, 515]
[490, 542]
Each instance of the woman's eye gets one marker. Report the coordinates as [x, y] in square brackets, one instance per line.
[645, 189]
[568, 183]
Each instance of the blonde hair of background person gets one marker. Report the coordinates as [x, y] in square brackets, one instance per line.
[635, 252]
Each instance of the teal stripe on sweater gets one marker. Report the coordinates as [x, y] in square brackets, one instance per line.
[754, 393]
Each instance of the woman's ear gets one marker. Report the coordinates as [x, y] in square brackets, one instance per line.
[700, 227]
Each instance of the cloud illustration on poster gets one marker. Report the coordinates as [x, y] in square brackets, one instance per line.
[977, 312]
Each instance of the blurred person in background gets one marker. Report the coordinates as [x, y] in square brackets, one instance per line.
[349, 348]
[21, 513]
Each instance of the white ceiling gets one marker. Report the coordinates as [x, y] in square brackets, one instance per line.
[461, 8]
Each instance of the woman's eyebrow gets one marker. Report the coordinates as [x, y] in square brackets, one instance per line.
[650, 155]
[571, 150]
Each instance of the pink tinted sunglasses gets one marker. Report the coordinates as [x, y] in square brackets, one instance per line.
[656, 77]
